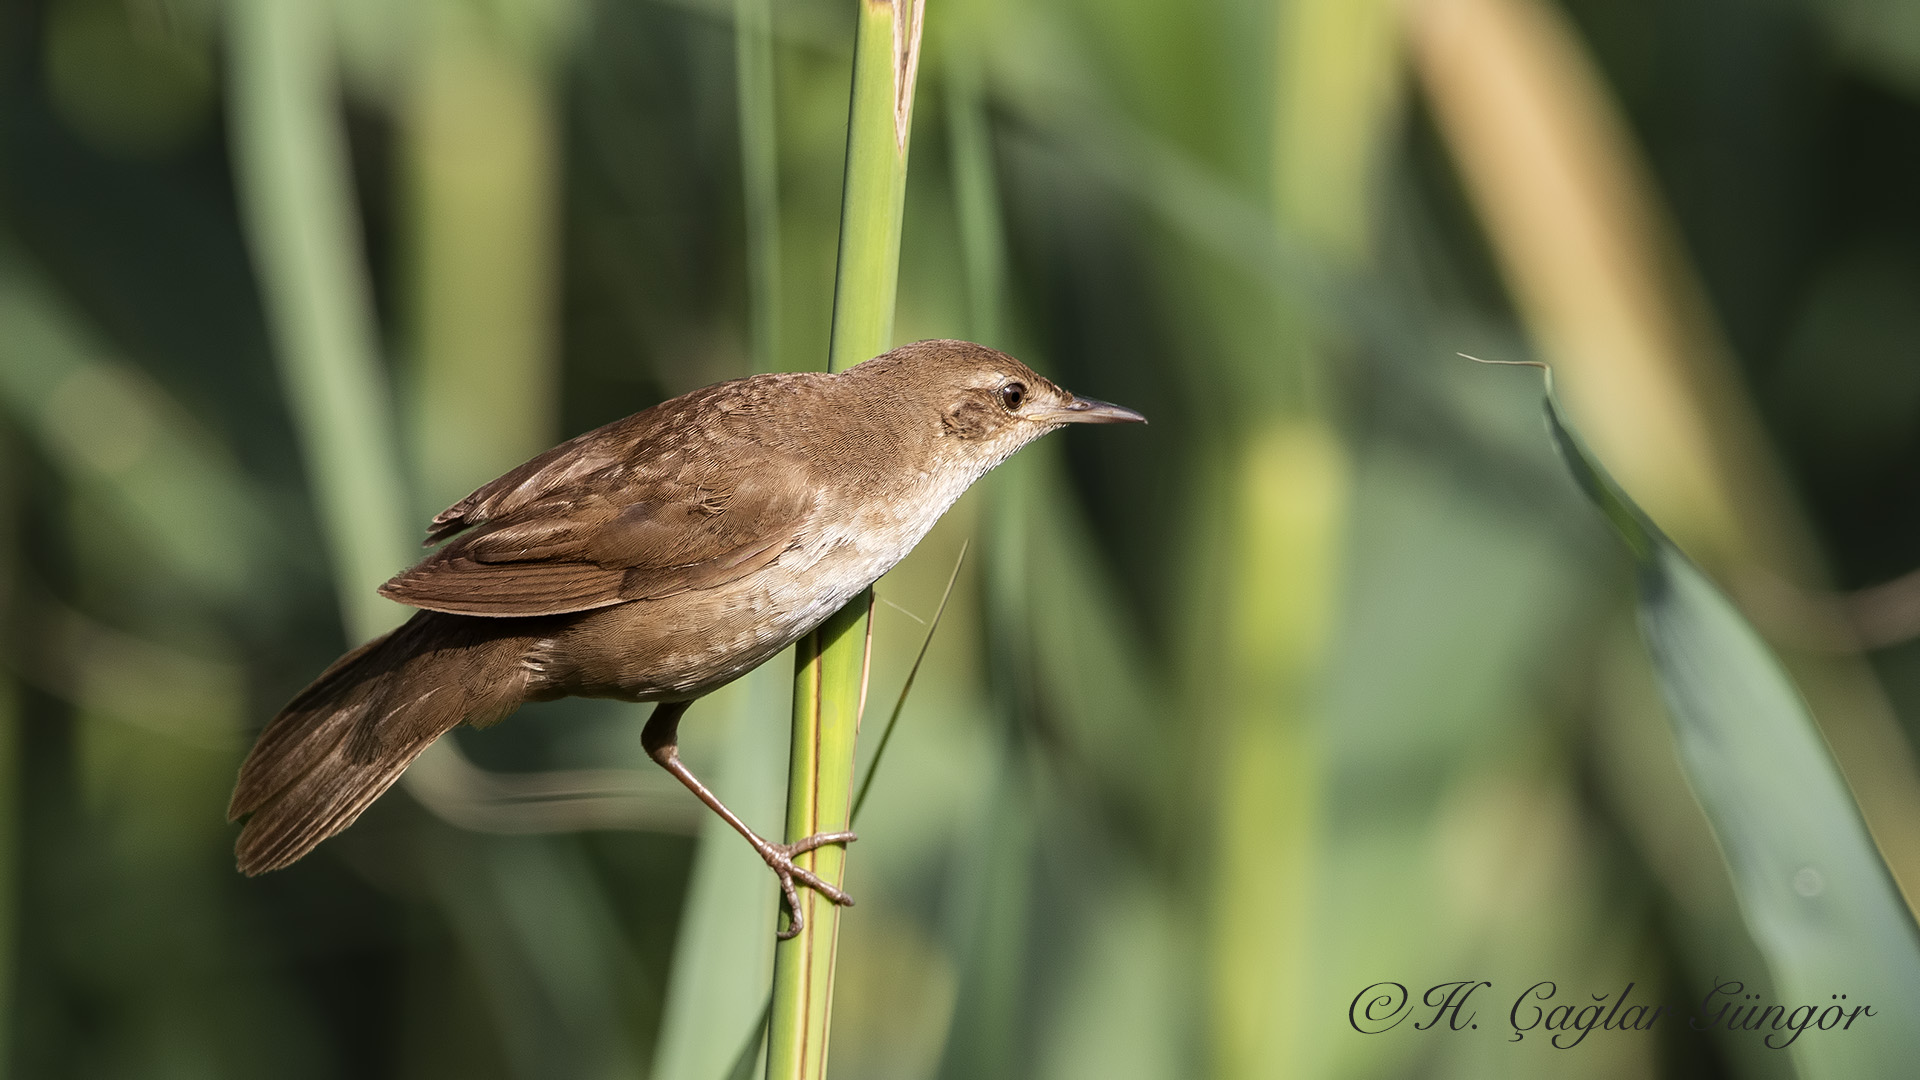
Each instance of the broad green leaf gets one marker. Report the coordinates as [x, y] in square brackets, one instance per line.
[1821, 905]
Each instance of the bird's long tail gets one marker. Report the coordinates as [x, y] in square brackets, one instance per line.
[349, 736]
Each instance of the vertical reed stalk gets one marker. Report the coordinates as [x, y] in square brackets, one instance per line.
[291, 167]
[483, 203]
[293, 176]
[1335, 61]
[830, 682]
[10, 819]
[715, 1017]
[987, 929]
[760, 175]
[10, 813]
[983, 256]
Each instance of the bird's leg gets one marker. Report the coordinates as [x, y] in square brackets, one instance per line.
[661, 738]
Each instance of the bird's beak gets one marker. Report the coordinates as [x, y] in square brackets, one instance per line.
[1088, 411]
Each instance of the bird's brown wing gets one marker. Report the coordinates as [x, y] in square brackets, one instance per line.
[595, 523]
[650, 442]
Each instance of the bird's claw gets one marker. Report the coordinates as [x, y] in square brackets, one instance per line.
[780, 858]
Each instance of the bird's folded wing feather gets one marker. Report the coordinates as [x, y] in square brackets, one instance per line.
[609, 522]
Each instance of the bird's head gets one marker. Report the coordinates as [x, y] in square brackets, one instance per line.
[981, 405]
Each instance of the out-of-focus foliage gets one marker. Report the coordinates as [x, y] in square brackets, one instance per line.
[1323, 679]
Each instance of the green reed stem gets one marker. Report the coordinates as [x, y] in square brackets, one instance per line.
[830, 683]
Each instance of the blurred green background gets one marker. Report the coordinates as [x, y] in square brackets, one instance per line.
[1327, 677]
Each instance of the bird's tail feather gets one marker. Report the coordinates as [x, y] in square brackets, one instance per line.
[346, 738]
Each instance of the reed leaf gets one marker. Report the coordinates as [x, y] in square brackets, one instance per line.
[906, 687]
[1601, 280]
[1813, 888]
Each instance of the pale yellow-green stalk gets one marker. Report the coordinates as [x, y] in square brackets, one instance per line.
[1336, 62]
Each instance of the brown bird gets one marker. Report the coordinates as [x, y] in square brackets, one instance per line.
[653, 559]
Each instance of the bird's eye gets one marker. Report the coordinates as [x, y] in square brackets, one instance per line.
[1013, 395]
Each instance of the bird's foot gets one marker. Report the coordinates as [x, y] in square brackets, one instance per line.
[780, 858]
